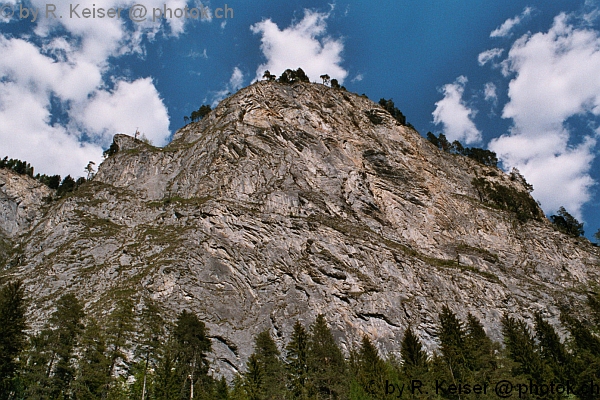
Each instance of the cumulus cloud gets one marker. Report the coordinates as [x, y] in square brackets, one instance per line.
[63, 65]
[505, 29]
[304, 44]
[454, 114]
[488, 56]
[129, 107]
[25, 133]
[550, 85]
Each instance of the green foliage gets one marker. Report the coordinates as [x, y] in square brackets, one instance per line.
[521, 348]
[18, 166]
[120, 328]
[314, 366]
[567, 223]
[507, 198]
[111, 151]
[269, 76]
[485, 157]
[12, 333]
[326, 362]
[297, 362]
[452, 336]
[24, 168]
[552, 351]
[92, 379]
[293, 76]
[202, 112]
[368, 369]
[515, 176]
[388, 105]
[49, 370]
[414, 357]
[265, 377]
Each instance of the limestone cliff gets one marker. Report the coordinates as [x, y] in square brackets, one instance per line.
[287, 201]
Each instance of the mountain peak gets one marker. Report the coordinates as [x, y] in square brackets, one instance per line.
[291, 200]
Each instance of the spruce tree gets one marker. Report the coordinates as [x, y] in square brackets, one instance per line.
[479, 349]
[12, 333]
[369, 369]
[168, 383]
[585, 347]
[326, 364]
[552, 351]
[253, 380]
[297, 362]
[269, 358]
[93, 363]
[119, 330]
[452, 336]
[148, 350]
[49, 370]
[414, 358]
[192, 345]
[521, 348]
[266, 378]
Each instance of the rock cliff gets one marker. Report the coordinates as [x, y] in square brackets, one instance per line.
[284, 202]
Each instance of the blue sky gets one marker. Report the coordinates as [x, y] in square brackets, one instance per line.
[521, 78]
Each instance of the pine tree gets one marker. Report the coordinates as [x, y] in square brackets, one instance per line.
[585, 346]
[152, 333]
[297, 362]
[12, 333]
[119, 330]
[93, 364]
[326, 364]
[254, 379]
[521, 348]
[168, 383]
[552, 351]
[479, 348]
[369, 368]
[192, 345]
[452, 336]
[414, 358]
[49, 370]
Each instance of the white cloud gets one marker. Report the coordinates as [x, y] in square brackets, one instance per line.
[455, 115]
[358, 78]
[550, 85]
[489, 55]
[505, 29]
[129, 107]
[25, 133]
[490, 92]
[236, 82]
[66, 61]
[304, 44]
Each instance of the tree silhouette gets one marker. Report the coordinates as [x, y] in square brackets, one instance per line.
[326, 79]
[268, 76]
[566, 223]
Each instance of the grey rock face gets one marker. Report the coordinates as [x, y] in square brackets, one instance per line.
[21, 202]
[289, 201]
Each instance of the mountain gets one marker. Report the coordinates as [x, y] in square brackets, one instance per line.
[284, 202]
